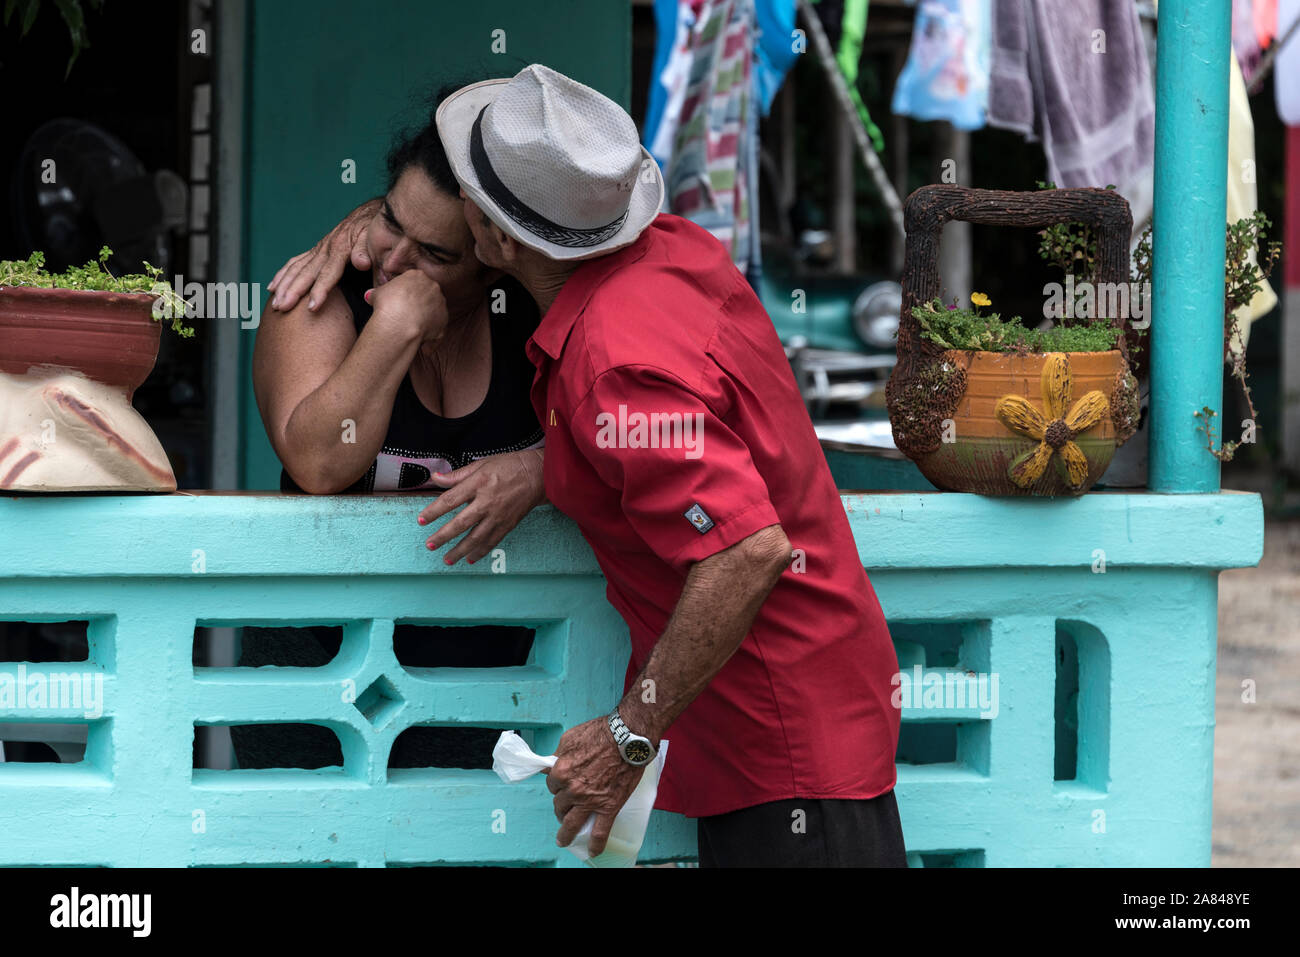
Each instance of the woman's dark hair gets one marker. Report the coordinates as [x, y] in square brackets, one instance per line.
[424, 148]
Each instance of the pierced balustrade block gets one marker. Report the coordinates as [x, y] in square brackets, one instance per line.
[380, 702]
[1082, 706]
[946, 693]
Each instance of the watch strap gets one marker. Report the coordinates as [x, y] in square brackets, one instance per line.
[623, 734]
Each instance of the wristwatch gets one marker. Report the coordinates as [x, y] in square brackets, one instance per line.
[635, 749]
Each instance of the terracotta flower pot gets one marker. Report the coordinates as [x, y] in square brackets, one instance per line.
[106, 336]
[1016, 431]
[70, 362]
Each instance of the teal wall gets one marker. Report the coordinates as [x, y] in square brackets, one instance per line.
[330, 80]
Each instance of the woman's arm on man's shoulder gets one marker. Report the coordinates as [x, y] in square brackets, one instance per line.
[320, 267]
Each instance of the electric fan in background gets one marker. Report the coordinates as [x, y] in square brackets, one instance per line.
[77, 188]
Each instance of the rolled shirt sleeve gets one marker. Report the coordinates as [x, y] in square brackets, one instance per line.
[687, 482]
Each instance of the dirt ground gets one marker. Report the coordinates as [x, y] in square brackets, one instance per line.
[1257, 746]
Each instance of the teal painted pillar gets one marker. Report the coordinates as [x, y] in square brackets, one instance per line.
[1190, 215]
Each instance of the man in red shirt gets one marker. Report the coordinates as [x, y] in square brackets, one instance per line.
[677, 440]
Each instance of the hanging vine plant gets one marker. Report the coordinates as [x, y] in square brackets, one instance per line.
[1241, 282]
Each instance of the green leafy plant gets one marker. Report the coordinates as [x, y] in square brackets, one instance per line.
[1242, 280]
[94, 276]
[70, 10]
[1073, 248]
[965, 329]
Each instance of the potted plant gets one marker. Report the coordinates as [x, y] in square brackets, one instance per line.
[989, 406]
[74, 347]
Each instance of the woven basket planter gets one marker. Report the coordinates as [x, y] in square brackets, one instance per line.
[998, 423]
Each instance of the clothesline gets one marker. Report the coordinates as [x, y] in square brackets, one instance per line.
[1266, 64]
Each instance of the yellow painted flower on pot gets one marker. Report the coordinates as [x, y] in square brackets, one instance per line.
[1054, 428]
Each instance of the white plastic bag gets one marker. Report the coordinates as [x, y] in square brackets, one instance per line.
[513, 760]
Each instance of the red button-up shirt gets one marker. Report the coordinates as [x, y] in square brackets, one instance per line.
[674, 429]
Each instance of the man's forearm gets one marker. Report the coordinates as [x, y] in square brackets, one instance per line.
[718, 604]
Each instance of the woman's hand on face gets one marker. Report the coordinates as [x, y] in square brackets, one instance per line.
[497, 492]
[320, 268]
[413, 300]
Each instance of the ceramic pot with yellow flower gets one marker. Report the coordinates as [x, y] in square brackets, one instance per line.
[1028, 424]
[1015, 421]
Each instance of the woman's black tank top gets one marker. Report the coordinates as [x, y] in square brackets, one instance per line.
[418, 442]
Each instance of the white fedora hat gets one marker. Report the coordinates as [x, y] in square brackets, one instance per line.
[557, 165]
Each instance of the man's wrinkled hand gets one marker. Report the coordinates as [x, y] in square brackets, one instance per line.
[320, 268]
[590, 777]
[497, 492]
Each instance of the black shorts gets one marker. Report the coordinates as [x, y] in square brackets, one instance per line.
[806, 833]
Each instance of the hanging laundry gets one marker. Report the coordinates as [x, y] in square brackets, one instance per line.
[946, 76]
[708, 145]
[1286, 68]
[1242, 200]
[1265, 21]
[1141, 194]
[1245, 39]
[674, 21]
[1075, 75]
[775, 53]
[845, 25]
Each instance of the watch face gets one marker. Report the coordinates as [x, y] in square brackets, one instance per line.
[638, 752]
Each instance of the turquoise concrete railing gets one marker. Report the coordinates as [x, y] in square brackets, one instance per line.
[1094, 620]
